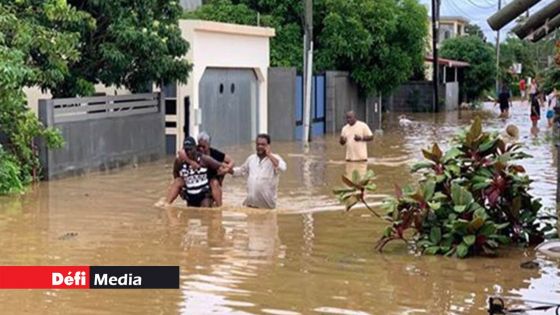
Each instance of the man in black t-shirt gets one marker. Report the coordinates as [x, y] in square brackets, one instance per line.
[216, 177]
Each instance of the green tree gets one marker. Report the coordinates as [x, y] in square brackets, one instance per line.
[480, 75]
[475, 30]
[381, 43]
[132, 43]
[35, 49]
[514, 50]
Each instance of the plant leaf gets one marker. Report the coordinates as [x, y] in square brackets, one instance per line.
[462, 250]
[459, 209]
[501, 239]
[429, 188]
[451, 154]
[435, 235]
[436, 151]
[476, 128]
[469, 239]
[475, 224]
[421, 165]
[488, 229]
[460, 195]
[349, 183]
[341, 190]
[432, 250]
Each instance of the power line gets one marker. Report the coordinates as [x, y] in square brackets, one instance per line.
[491, 6]
[458, 9]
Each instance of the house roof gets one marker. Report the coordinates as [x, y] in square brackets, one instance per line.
[448, 62]
[227, 28]
[449, 18]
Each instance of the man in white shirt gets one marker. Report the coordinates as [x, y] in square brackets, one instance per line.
[355, 135]
[262, 171]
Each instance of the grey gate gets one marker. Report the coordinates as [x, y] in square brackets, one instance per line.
[228, 101]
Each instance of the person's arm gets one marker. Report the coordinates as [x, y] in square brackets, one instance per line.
[209, 162]
[228, 161]
[242, 170]
[185, 158]
[366, 136]
[342, 139]
[277, 161]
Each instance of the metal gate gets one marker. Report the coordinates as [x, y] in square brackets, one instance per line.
[229, 102]
[318, 96]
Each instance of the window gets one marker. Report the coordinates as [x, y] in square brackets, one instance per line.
[221, 88]
[232, 88]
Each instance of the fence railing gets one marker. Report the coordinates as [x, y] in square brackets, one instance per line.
[77, 109]
[102, 132]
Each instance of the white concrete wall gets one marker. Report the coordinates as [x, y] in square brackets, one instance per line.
[221, 45]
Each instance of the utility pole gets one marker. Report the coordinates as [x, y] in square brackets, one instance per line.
[498, 54]
[435, 31]
[308, 69]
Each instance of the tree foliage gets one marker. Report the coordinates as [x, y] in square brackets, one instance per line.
[514, 50]
[34, 50]
[130, 43]
[381, 43]
[475, 30]
[480, 75]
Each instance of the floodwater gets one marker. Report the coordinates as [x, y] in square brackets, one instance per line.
[307, 257]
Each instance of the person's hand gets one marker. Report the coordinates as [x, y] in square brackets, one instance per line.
[182, 155]
[357, 138]
[223, 170]
[268, 150]
[194, 165]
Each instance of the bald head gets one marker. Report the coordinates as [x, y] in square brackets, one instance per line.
[351, 117]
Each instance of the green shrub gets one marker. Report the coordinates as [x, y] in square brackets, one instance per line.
[469, 200]
[9, 174]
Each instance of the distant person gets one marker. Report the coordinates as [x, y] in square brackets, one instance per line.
[215, 179]
[552, 101]
[522, 88]
[192, 181]
[504, 99]
[533, 89]
[535, 113]
[262, 171]
[355, 135]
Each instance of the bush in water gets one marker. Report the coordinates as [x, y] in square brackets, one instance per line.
[9, 174]
[468, 201]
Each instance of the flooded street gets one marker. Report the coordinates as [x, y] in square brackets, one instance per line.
[307, 257]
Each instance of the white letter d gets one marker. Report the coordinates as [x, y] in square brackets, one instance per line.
[57, 278]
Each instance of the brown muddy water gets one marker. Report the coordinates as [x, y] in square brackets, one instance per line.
[307, 257]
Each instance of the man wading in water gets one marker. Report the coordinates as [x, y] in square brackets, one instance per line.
[192, 182]
[262, 171]
[355, 135]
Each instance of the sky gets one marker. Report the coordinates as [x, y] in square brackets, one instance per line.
[477, 11]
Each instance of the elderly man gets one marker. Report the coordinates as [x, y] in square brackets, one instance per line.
[355, 135]
[262, 171]
[216, 177]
